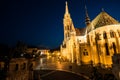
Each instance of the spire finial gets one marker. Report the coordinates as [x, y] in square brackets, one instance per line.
[87, 19]
[66, 2]
[103, 10]
[67, 11]
[86, 12]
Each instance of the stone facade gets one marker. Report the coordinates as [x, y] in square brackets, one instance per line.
[18, 69]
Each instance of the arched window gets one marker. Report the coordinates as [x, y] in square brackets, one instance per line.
[24, 66]
[107, 49]
[112, 34]
[16, 67]
[91, 38]
[118, 32]
[85, 53]
[31, 66]
[88, 39]
[67, 27]
[104, 35]
[114, 47]
[98, 36]
[67, 35]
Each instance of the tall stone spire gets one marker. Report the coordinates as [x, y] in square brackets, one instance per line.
[68, 23]
[87, 19]
[66, 8]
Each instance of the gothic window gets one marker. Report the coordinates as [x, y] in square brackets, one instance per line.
[31, 67]
[16, 67]
[98, 36]
[24, 66]
[112, 34]
[67, 35]
[88, 39]
[99, 49]
[74, 45]
[104, 35]
[107, 49]
[118, 32]
[85, 53]
[114, 47]
[68, 27]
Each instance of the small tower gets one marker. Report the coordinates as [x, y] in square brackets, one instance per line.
[87, 19]
[67, 48]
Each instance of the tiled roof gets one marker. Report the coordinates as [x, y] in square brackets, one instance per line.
[103, 19]
[80, 31]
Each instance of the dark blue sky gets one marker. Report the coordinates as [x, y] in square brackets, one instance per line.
[40, 22]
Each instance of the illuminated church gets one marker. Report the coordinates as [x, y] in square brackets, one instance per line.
[94, 44]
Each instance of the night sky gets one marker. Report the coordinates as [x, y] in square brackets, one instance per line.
[40, 22]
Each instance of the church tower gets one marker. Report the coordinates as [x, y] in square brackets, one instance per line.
[94, 44]
[68, 46]
[68, 24]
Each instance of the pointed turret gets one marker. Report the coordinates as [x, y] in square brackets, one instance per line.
[87, 19]
[66, 8]
[67, 14]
